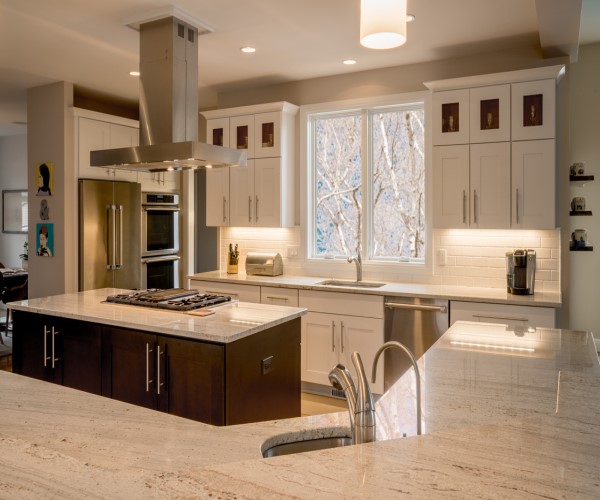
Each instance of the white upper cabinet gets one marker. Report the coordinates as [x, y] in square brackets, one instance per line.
[217, 197]
[490, 114]
[95, 131]
[501, 174]
[534, 110]
[451, 117]
[261, 194]
[533, 184]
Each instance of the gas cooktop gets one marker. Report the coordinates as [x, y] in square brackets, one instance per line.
[175, 299]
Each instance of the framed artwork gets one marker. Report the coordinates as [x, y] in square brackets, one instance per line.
[490, 113]
[44, 240]
[44, 179]
[15, 209]
[533, 110]
[451, 117]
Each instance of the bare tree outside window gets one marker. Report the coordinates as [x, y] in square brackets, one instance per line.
[395, 180]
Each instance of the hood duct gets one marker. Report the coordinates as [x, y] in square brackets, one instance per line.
[168, 106]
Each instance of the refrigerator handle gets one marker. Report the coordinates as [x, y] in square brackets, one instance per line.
[119, 263]
[110, 236]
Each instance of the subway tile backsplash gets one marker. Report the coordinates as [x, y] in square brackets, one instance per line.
[473, 257]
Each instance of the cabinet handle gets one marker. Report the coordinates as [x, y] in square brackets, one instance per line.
[475, 206]
[517, 201]
[54, 358]
[415, 307]
[249, 208]
[158, 382]
[224, 209]
[274, 297]
[148, 381]
[256, 210]
[342, 334]
[119, 264]
[464, 207]
[46, 357]
[333, 336]
[504, 318]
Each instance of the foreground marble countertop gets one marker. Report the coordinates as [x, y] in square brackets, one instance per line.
[466, 293]
[506, 414]
[229, 323]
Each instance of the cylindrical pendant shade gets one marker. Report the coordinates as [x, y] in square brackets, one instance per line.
[382, 23]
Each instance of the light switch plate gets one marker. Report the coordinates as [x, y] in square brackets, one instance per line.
[441, 257]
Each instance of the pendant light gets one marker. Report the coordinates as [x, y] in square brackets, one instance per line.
[382, 23]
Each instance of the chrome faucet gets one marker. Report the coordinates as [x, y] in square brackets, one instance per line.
[358, 261]
[360, 401]
[402, 347]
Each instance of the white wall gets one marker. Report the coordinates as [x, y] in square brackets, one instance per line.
[584, 267]
[13, 175]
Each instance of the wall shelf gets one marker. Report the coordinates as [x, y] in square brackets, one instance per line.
[588, 248]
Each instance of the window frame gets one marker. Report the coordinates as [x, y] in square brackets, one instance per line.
[365, 106]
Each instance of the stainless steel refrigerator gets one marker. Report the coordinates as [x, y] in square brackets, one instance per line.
[109, 234]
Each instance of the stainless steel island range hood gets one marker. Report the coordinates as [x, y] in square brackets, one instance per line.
[168, 106]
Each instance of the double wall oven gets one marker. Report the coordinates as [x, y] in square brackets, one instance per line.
[160, 240]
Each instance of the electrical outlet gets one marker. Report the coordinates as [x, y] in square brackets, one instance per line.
[267, 363]
[441, 257]
[292, 251]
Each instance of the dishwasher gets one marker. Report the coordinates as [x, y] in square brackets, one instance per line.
[418, 324]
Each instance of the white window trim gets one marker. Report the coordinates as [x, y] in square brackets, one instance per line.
[339, 268]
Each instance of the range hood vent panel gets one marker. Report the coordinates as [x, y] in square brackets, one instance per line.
[168, 106]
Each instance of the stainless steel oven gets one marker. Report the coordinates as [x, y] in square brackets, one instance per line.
[160, 224]
[160, 272]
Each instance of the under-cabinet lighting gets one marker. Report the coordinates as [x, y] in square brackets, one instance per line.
[349, 62]
[134, 73]
[248, 50]
[492, 346]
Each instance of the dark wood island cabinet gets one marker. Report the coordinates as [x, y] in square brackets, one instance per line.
[250, 379]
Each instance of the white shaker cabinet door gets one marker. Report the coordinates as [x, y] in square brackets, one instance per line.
[319, 351]
[451, 186]
[490, 185]
[267, 192]
[92, 135]
[122, 136]
[533, 184]
[217, 197]
[241, 190]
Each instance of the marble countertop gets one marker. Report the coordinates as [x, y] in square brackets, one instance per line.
[230, 322]
[506, 414]
[391, 289]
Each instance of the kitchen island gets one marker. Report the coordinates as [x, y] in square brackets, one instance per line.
[239, 364]
[506, 414]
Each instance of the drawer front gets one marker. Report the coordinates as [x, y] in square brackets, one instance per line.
[355, 304]
[502, 313]
[243, 293]
[279, 296]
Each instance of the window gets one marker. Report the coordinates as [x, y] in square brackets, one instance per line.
[367, 183]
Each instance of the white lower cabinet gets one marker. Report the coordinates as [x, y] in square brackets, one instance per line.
[512, 315]
[243, 293]
[329, 338]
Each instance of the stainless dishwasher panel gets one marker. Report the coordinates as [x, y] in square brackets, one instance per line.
[416, 323]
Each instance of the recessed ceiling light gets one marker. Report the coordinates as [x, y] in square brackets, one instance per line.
[134, 73]
[410, 18]
[349, 62]
[248, 50]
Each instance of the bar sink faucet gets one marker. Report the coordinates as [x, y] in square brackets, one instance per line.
[358, 261]
[360, 401]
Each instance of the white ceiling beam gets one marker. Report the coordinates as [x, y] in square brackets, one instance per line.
[558, 25]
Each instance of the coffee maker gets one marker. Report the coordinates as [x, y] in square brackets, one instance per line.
[520, 272]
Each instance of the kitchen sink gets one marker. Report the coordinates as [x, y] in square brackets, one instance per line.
[360, 284]
[306, 445]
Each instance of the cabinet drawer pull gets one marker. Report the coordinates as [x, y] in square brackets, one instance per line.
[333, 336]
[148, 381]
[275, 297]
[342, 334]
[504, 318]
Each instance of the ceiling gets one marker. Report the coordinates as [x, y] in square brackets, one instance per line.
[88, 43]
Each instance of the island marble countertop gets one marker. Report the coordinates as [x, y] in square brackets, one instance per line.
[231, 321]
[506, 414]
[391, 289]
